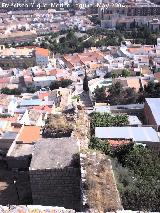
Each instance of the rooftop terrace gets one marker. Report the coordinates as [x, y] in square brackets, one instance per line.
[58, 153]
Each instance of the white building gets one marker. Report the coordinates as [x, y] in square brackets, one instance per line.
[42, 57]
[98, 82]
[43, 81]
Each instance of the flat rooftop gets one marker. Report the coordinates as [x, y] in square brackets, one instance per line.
[9, 135]
[50, 153]
[22, 150]
[138, 134]
[134, 120]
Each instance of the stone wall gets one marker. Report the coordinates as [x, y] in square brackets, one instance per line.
[98, 186]
[56, 187]
[23, 62]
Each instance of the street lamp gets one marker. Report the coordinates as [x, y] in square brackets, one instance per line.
[15, 183]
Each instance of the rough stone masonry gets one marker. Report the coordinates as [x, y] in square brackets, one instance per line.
[55, 173]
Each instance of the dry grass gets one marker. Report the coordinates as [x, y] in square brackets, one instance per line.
[58, 122]
[81, 129]
[101, 187]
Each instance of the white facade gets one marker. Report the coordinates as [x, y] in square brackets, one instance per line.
[25, 120]
[12, 107]
[42, 60]
[43, 81]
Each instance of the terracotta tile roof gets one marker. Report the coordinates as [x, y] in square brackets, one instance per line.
[91, 56]
[74, 60]
[29, 134]
[129, 82]
[40, 73]
[43, 108]
[55, 72]
[28, 78]
[133, 83]
[83, 58]
[42, 51]
[133, 49]
[51, 72]
[42, 95]
[140, 48]
[4, 80]
[11, 119]
[115, 143]
[27, 73]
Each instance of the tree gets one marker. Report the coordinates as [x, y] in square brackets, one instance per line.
[130, 96]
[63, 83]
[100, 94]
[106, 120]
[8, 91]
[31, 90]
[115, 93]
[95, 20]
[62, 39]
[152, 90]
[85, 83]
[121, 152]
[55, 85]
[119, 95]
[114, 75]
[70, 35]
[101, 145]
[126, 73]
[144, 167]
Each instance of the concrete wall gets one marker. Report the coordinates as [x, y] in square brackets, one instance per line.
[12, 62]
[148, 115]
[56, 187]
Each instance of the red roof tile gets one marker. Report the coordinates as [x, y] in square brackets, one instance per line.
[29, 134]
